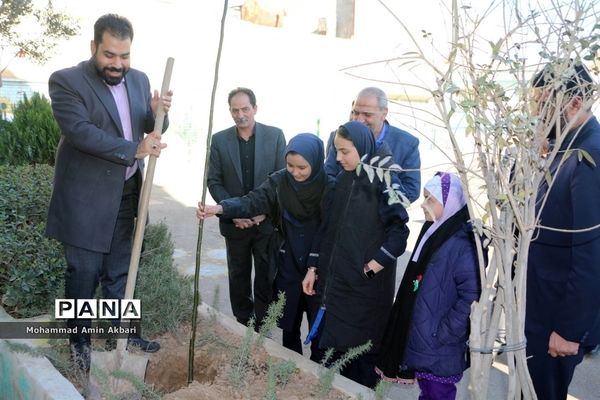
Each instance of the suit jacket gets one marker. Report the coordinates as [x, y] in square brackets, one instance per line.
[563, 273]
[93, 154]
[225, 170]
[405, 153]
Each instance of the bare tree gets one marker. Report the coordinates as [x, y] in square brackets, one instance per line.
[480, 88]
[31, 31]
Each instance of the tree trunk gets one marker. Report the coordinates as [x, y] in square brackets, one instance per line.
[344, 27]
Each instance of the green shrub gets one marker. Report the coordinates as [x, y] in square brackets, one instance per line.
[327, 374]
[31, 266]
[165, 294]
[33, 135]
[8, 140]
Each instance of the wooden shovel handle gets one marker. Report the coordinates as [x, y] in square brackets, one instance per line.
[142, 214]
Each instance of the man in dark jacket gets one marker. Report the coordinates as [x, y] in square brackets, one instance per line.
[563, 277]
[241, 158]
[103, 109]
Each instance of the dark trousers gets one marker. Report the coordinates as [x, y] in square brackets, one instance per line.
[292, 340]
[240, 252]
[431, 390]
[360, 369]
[86, 268]
[551, 376]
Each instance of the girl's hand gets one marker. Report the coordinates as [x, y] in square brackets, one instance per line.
[205, 211]
[308, 283]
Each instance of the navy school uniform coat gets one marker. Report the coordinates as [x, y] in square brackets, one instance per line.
[362, 227]
[439, 328]
[93, 155]
[301, 240]
[563, 273]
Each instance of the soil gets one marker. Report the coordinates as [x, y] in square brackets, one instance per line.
[215, 347]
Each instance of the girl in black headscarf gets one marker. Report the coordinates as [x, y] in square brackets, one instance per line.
[364, 237]
[295, 199]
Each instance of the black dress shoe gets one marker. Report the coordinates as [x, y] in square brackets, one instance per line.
[143, 345]
[81, 353]
[111, 344]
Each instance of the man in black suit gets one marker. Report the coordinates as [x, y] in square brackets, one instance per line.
[241, 158]
[103, 108]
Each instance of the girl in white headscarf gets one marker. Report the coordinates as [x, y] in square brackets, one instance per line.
[426, 335]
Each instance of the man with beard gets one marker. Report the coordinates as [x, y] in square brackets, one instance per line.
[563, 274]
[103, 109]
[241, 158]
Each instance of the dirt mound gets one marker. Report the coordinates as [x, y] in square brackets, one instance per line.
[215, 347]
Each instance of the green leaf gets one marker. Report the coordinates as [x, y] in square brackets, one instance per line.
[387, 177]
[548, 177]
[587, 157]
[384, 161]
[370, 172]
[379, 172]
[452, 88]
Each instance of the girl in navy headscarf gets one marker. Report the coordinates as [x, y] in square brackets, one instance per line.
[364, 237]
[295, 198]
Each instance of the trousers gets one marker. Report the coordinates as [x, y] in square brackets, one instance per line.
[249, 299]
[432, 390]
[86, 269]
[550, 376]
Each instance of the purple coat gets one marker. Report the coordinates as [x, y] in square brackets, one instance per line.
[440, 323]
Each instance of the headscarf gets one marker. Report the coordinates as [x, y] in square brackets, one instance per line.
[303, 199]
[362, 138]
[310, 147]
[447, 189]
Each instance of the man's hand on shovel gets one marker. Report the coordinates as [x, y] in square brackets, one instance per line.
[151, 145]
[166, 101]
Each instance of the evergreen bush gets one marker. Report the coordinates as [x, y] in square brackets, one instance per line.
[7, 139]
[33, 135]
[165, 294]
[32, 266]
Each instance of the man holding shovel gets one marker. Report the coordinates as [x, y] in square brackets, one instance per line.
[103, 109]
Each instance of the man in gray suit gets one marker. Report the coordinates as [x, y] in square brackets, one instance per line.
[103, 109]
[241, 158]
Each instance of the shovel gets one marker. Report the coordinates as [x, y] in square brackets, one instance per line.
[119, 368]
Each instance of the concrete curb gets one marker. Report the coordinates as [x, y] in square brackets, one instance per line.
[343, 384]
[23, 376]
